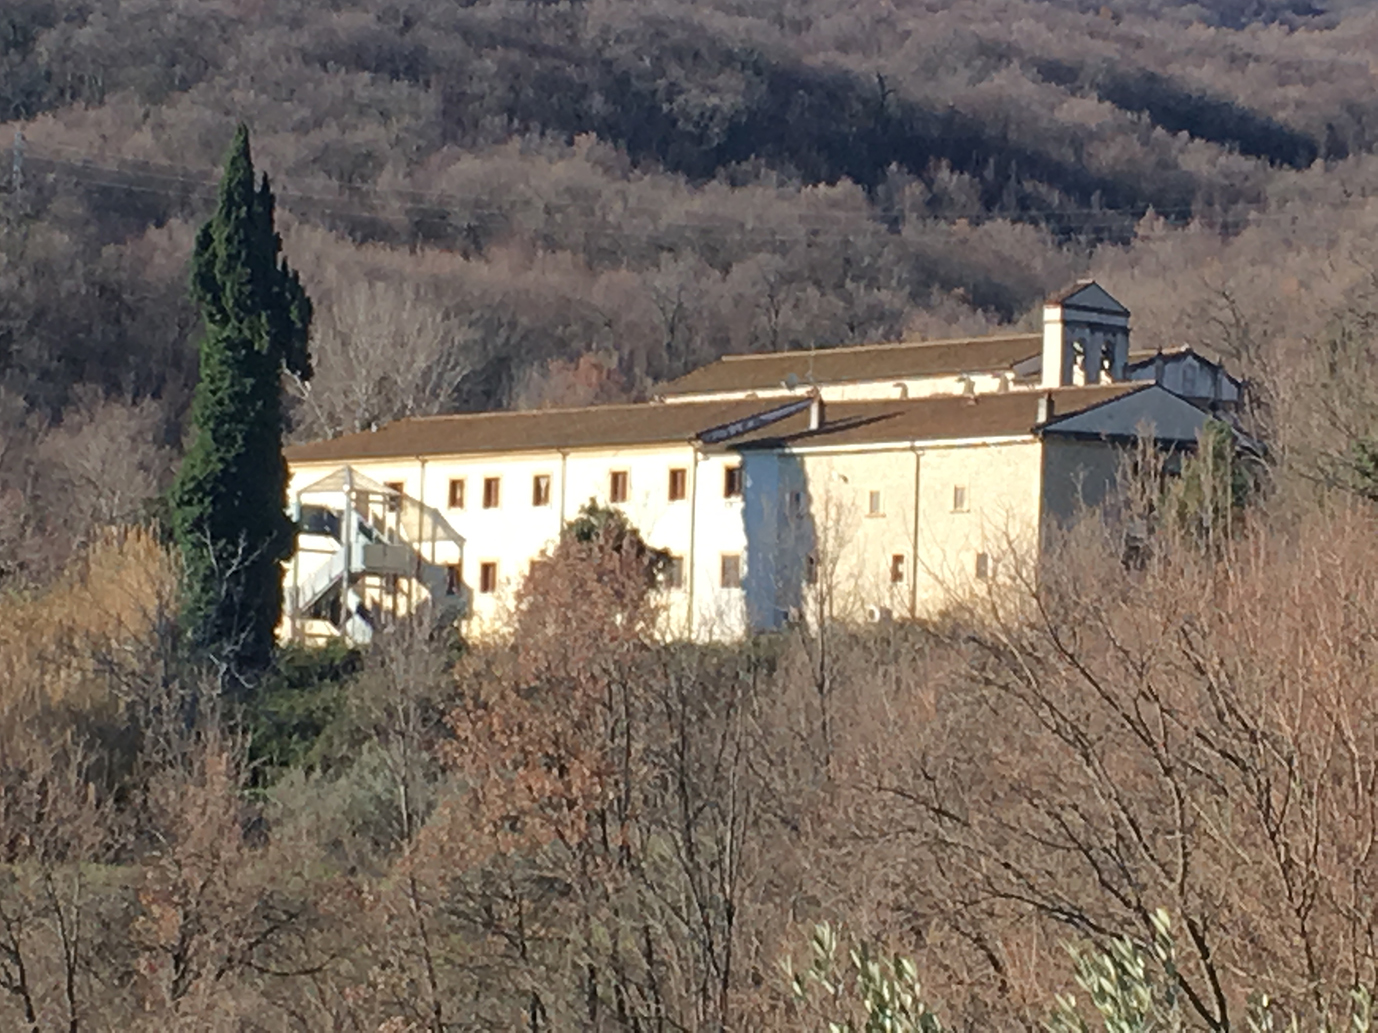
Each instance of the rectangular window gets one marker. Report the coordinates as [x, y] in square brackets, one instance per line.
[679, 484]
[983, 565]
[394, 495]
[617, 486]
[897, 569]
[959, 498]
[731, 570]
[674, 572]
[540, 490]
[454, 578]
[732, 483]
[492, 492]
[873, 504]
[456, 492]
[487, 578]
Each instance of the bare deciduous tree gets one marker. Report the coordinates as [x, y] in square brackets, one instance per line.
[382, 351]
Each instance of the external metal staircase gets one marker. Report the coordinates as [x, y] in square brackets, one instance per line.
[367, 555]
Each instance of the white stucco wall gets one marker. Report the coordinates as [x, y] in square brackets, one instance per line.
[1000, 520]
[871, 390]
[854, 550]
[796, 504]
[516, 531]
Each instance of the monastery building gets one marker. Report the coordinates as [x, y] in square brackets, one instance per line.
[868, 482]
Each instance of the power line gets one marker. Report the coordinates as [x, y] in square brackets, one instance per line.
[173, 181]
[194, 178]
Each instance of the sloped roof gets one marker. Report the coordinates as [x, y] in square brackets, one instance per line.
[861, 363]
[939, 418]
[336, 481]
[1172, 418]
[935, 418]
[1089, 296]
[531, 430]
[1178, 353]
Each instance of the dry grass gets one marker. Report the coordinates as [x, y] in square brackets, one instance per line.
[57, 643]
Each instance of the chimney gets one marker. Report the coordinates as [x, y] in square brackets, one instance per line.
[816, 411]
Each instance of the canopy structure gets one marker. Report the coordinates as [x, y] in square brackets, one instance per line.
[367, 554]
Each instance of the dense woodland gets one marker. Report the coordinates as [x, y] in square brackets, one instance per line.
[513, 203]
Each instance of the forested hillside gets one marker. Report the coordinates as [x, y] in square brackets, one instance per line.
[530, 203]
[510, 203]
[501, 204]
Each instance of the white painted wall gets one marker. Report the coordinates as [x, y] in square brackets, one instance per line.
[854, 549]
[1009, 487]
[1001, 517]
[873, 390]
[516, 531]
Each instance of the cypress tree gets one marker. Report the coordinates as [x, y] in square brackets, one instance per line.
[229, 499]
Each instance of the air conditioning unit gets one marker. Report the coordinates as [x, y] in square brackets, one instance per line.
[878, 614]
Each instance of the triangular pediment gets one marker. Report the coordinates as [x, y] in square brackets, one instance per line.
[1091, 297]
[339, 480]
[1153, 410]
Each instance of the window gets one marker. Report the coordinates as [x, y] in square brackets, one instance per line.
[454, 578]
[959, 498]
[487, 578]
[456, 492]
[731, 570]
[983, 565]
[811, 569]
[873, 504]
[897, 569]
[395, 496]
[679, 484]
[732, 483]
[492, 492]
[674, 572]
[617, 486]
[540, 490]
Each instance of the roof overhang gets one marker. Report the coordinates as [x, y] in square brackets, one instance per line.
[1153, 411]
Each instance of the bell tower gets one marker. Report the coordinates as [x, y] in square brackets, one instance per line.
[1085, 337]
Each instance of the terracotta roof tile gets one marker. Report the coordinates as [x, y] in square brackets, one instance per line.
[946, 417]
[850, 365]
[530, 430]
[611, 426]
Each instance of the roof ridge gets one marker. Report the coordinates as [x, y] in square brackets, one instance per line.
[884, 346]
[536, 412]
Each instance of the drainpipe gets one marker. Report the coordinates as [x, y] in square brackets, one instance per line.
[691, 560]
[564, 456]
[914, 541]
